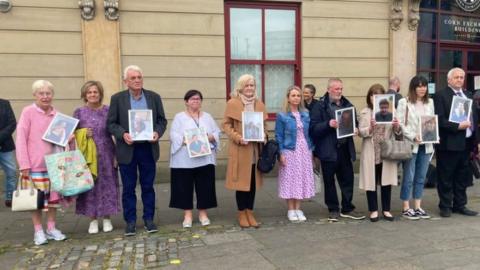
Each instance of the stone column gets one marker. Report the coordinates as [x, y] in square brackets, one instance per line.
[101, 51]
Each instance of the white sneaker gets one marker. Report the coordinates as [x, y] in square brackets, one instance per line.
[301, 216]
[292, 215]
[107, 225]
[39, 238]
[56, 235]
[93, 228]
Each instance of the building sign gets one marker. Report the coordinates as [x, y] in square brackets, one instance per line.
[468, 5]
[458, 28]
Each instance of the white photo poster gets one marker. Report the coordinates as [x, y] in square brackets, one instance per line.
[252, 126]
[140, 125]
[346, 122]
[460, 109]
[429, 129]
[60, 129]
[384, 108]
[197, 142]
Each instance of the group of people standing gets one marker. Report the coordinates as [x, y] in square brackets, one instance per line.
[305, 130]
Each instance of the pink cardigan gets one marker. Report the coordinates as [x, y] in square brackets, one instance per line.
[31, 149]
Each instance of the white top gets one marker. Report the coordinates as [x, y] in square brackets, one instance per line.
[178, 151]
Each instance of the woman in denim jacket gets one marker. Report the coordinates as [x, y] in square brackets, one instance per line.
[295, 178]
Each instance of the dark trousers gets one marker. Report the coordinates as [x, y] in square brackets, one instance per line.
[452, 178]
[343, 169]
[184, 181]
[385, 190]
[246, 199]
[142, 162]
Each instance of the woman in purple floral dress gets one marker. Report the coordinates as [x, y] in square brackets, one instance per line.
[103, 199]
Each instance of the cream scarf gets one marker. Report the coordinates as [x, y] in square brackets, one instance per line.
[248, 102]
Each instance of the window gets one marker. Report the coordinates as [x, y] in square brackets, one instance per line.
[263, 39]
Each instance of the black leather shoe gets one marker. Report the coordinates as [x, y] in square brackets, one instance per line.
[466, 212]
[374, 219]
[388, 218]
[445, 212]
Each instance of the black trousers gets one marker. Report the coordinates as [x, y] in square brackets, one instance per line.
[246, 199]
[343, 169]
[386, 192]
[184, 181]
[453, 170]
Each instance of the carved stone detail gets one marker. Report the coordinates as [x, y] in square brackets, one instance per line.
[111, 9]
[87, 9]
[413, 14]
[397, 14]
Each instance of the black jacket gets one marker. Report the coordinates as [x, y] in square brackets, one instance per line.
[323, 136]
[7, 126]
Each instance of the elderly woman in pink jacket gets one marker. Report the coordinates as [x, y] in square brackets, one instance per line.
[31, 150]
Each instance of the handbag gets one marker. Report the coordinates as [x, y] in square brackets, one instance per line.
[69, 173]
[397, 148]
[268, 156]
[27, 199]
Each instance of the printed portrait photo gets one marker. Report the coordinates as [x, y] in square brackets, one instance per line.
[384, 108]
[60, 129]
[429, 129]
[197, 142]
[140, 125]
[346, 122]
[460, 109]
[252, 126]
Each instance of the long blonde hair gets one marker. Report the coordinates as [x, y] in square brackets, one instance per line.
[286, 105]
[240, 85]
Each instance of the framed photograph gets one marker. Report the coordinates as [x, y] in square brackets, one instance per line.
[476, 83]
[460, 109]
[197, 142]
[140, 125]
[346, 122]
[252, 126]
[429, 129]
[384, 108]
[61, 127]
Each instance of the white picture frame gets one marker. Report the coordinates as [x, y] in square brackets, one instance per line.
[346, 122]
[252, 127]
[197, 142]
[60, 129]
[381, 114]
[429, 129]
[140, 125]
[460, 109]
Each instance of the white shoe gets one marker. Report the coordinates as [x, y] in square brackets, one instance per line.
[107, 225]
[204, 222]
[292, 215]
[56, 235]
[301, 216]
[39, 238]
[93, 228]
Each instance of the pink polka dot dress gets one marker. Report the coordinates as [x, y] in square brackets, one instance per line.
[295, 179]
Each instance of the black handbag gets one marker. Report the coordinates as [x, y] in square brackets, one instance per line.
[268, 156]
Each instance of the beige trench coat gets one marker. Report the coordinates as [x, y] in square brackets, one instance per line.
[367, 156]
[239, 166]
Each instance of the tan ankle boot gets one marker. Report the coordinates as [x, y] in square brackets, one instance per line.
[242, 219]
[251, 219]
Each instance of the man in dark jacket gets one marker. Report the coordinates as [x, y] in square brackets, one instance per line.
[7, 147]
[336, 155]
[394, 88]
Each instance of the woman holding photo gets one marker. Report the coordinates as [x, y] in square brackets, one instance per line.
[409, 111]
[196, 173]
[242, 173]
[295, 177]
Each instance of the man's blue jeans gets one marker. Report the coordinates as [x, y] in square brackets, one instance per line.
[414, 173]
[9, 167]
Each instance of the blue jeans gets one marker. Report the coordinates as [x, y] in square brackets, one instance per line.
[142, 162]
[414, 173]
[9, 167]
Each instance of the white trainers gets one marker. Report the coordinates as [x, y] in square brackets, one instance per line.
[107, 225]
[56, 235]
[93, 228]
[39, 238]
[301, 216]
[292, 215]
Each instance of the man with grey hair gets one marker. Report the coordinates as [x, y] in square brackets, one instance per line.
[394, 88]
[457, 140]
[136, 156]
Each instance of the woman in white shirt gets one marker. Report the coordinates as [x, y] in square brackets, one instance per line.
[193, 173]
[409, 111]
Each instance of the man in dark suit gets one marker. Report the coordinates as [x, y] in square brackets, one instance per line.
[136, 156]
[7, 147]
[453, 152]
